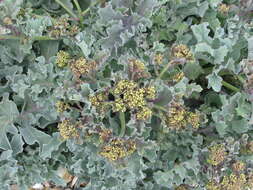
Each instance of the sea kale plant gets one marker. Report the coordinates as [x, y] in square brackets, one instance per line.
[126, 94]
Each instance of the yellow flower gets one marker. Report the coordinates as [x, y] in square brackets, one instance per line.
[119, 105]
[118, 149]
[124, 85]
[176, 118]
[62, 58]
[134, 98]
[234, 182]
[212, 185]
[159, 59]
[217, 154]
[150, 92]
[61, 106]
[182, 51]
[137, 65]
[193, 119]
[223, 8]
[67, 130]
[177, 77]
[144, 113]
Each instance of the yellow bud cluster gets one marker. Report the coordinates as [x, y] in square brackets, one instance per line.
[158, 59]
[144, 113]
[119, 105]
[223, 8]
[137, 65]
[217, 154]
[150, 92]
[177, 77]
[234, 182]
[134, 98]
[82, 67]
[67, 130]
[238, 166]
[61, 106]
[182, 51]
[230, 182]
[130, 96]
[178, 118]
[118, 149]
[124, 85]
[62, 58]
[193, 119]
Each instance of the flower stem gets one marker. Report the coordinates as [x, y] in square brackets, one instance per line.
[160, 108]
[122, 124]
[66, 8]
[229, 86]
[35, 38]
[79, 12]
[88, 9]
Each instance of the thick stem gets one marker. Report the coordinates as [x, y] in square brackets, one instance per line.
[229, 86]
[79, 12]
[180, 60]
[88, 9]
[66, 8]
[160, 108]
[122, 124]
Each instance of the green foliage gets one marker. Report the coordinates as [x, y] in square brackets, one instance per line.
[67, 118]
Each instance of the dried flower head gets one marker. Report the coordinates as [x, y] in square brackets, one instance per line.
[82, 67]
[182, 51]
[61, 106]
[223, 8]
[105, 135]
[7, 21]
[181, 187]
[238, 166]
[118, 149]
[99, 101]
[217, 154]
[123, 86]
[62, 58]
[137, 69]
[67, 130]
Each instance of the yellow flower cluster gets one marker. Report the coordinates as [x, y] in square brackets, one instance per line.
[61, 27]
[238, 166]
[118, 149]
[98, 100]
[158, 59]
[67, 130]
[61, 106]
[230, 182]
[177, 77]
[62, 58]
[178, 118]
[182, 51]
[223, 8]
[144, 113]
[181, 187]
[217, 154]
[129, 96]
[82, 67]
